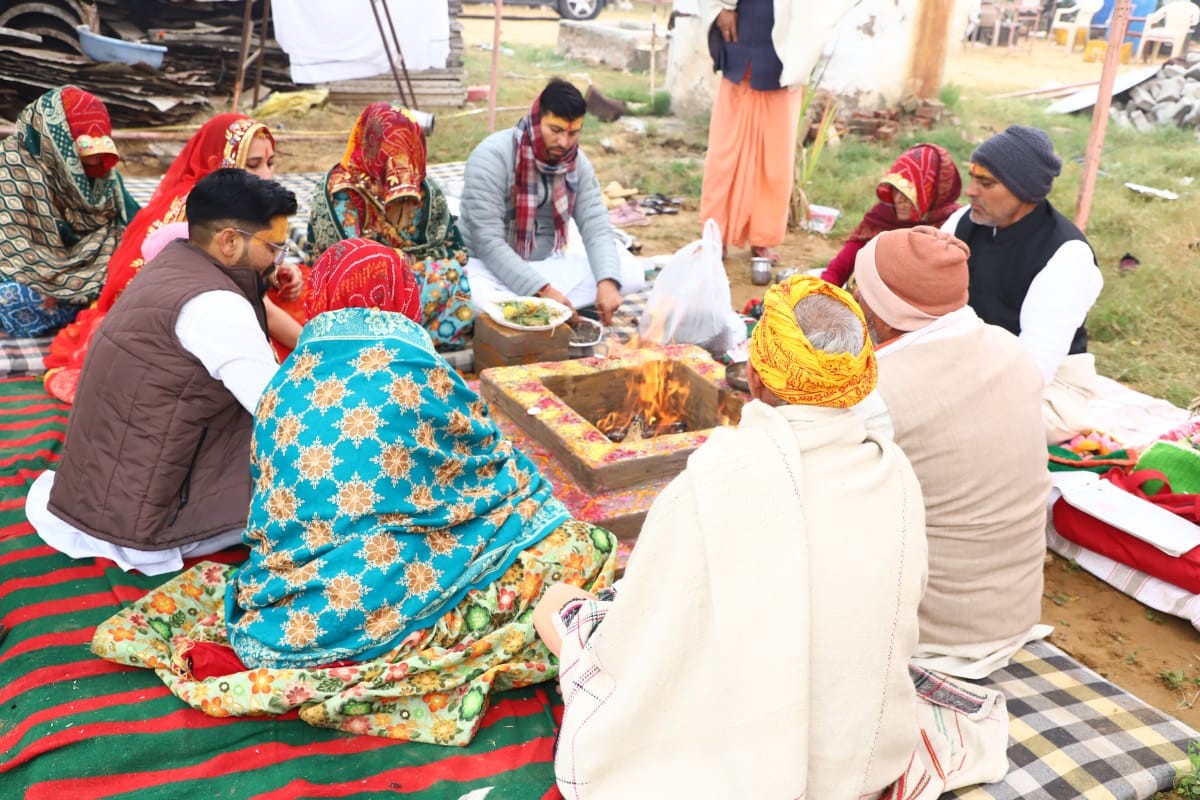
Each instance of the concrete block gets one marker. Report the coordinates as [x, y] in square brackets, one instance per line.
[1164, 113]
[1141, 97]
[611, 46]
[1140, 122]
[1169, 89]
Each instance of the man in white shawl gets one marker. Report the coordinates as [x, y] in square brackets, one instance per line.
[758, 645]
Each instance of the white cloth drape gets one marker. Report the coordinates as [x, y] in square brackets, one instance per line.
[330, 41]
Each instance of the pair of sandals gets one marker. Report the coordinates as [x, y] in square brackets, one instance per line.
[660, 204]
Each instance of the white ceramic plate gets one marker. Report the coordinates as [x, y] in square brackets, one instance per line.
[558, 313]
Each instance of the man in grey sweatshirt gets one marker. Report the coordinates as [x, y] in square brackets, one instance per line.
[522, 188]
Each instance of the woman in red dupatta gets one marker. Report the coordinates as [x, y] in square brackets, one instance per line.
[380, 190]
[227, 140]
[921, 188]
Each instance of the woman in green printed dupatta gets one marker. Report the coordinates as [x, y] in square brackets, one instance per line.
[379, 190]
[398, 542]
[64, 209]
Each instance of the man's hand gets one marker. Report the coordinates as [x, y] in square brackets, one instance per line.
[550, 293]
[608, 300]
[289, 281]
[727, 24]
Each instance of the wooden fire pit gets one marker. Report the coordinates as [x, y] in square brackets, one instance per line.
[558, 404]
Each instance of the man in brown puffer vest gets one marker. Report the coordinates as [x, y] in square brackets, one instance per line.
[156, 465]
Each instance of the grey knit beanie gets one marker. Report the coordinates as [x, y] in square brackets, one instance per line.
[1023, 160]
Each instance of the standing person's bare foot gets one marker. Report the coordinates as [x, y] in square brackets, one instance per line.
[765, 252]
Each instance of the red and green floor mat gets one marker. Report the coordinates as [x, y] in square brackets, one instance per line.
[75, 726]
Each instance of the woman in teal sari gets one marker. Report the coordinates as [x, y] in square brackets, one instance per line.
[379, 190]
[398, 542]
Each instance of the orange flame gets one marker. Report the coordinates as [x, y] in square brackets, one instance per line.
[655, 403]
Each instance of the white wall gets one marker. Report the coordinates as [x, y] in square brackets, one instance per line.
[871, 51]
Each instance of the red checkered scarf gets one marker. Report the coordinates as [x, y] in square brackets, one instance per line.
[531, 159]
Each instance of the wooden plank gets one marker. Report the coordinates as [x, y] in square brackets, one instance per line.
[497, 346]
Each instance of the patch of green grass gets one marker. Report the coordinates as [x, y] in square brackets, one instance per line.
[630, 94]
[1187, 781]
[1173, 679]
[1132, 658]
[950, 95]
[660, 105]
[1058, 598]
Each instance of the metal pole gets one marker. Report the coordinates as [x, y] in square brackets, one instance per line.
[495, 66]
[653, 46]
[1091, 156]
[388, 51]
[247, 24]
[412, 96]
[262, 50]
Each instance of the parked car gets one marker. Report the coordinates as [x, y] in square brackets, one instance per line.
[567, 9]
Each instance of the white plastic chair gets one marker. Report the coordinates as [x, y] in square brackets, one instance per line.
[1081, 19]
[1177, 20]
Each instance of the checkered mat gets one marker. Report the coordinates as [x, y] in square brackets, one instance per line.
[23, 356]
[449, 176]
[72, 725]
[1073, 734]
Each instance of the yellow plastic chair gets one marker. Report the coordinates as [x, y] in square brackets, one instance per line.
[1080, 21]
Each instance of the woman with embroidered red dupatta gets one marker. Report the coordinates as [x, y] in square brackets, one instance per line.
[227, 140]
[921, 188]
[380, 191]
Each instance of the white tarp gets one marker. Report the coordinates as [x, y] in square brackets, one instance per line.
[335, 41]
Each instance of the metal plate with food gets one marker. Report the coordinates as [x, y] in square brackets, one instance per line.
[528, 313]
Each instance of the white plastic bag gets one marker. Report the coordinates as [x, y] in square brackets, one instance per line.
[690, 302]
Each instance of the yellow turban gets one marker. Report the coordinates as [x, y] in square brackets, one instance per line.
[789, 365]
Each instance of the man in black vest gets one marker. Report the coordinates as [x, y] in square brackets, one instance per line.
[1032, 271]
